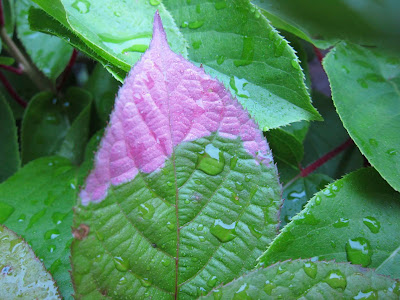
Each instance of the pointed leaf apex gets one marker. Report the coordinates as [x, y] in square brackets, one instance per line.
[159, 36]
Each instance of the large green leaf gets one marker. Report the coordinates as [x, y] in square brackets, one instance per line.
[239, 46]
[368, 22]
[49, 53]
[22, 274]
[56, 126]
[354, 219]
[9, 152]
[366, 90]
[37, 203]
[305, 279]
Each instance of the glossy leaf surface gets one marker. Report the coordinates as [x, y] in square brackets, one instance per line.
[22, 274]
[354, 219]
[366, 91]
[309, 280]
[183, 179]
[37, 203]
[9, 153]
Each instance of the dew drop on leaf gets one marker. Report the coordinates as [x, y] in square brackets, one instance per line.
[255, 232]
[196, 24]
[268, 287]
[373, 224]
[222, 231]
[51, 234]
[241, 293]
[359, 251]
[212, 162]
[336, 279]
[146, 211]
[212, 281]
[155, 2]
[81, 6]
[121, 264]
[310, 269]
[217, 294]
[341, 222]
[145, 282]
[369, 294]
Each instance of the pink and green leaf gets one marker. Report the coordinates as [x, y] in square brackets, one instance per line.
[184, 194]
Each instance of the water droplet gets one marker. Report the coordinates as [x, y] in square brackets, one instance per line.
[212, 162]
[392, 152]
[318, 200]
[217, 294]
[279, 47]
[21, 218]
[395, 288]
[222, 231]
[220, 59]
[166, 262]
[336, 279]
[310, 269]
[241, 293]
[268, 287]
[247, 52]
[255, 232]
[53, 119]
[196, 44]
[145, 282]
[372, 224]
[220, 5]
[170, 226]
[51, 234]
[235, 199]
[5, 211]
[141, 48]
[187, 201]
[341, 222]
[58, 217]
[296, 195]
[196, 24]
[363, 83]
[121, 264]
[280, 270]
[184, 24]
[369, 294]
[233, 162]
[117, 14]
[198, 8]
[295, 64]
[212, 281]
[202, 238]
[359, 251]
[51, 248]
[14, 244]
[155, 2]
[307, 218]
[238, 86]
[82, 6]
[239, 186]
[373, 142]
[200, 227]
[247, 178]
[146, 210]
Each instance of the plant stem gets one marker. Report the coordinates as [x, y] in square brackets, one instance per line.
[319, 54]
[68, 69]
[328, 156]
[12, 69]
[11, 91]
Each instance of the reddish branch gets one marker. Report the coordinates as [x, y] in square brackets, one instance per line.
[11, 91]
[68, 69]
[328, 156]
[319, 54]
[12, 69]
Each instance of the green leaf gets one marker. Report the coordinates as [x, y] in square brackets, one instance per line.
[5, 60]
[22, 274]
[37, 203]
[9, 153]
[125, 34]
[50, 54]
[56, 126]
[305, 279]
[104, 89]
[285, 147]
[9, 16]
[326, 22]
[299, 192]
[366, 90]
[137, 220]
[323, 137]
[354, 219]
[236, 43]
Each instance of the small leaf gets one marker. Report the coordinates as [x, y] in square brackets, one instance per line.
[37, 202]
[305, 279]
[184, 194]
[56, 126]
[354, 219]
[9, 153]
[22, 274]
[50, 54]
[366, 90]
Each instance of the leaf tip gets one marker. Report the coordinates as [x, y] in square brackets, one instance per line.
[159, 36]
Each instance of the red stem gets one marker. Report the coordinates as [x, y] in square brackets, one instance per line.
[11, 91]
[12, 69]
[68, 69]
[322, 160]
[319, 54]
[1, 15]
